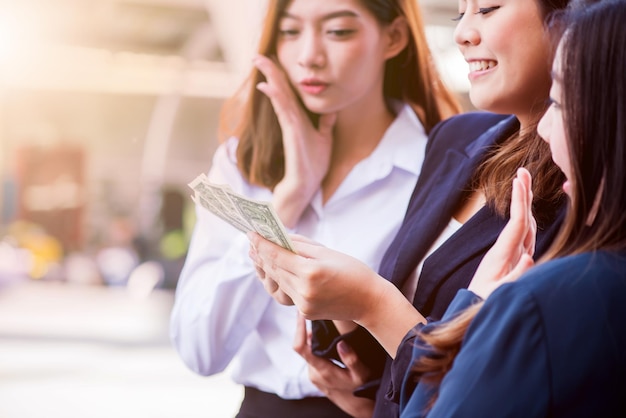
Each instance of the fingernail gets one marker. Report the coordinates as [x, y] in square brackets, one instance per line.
[343, 348]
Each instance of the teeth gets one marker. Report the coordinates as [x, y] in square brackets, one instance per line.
[481, 65]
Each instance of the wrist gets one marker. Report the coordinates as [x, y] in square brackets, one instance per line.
[290, 201]
[391, 317]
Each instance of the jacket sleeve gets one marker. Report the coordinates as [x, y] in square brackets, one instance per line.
[502, 367]
[219, 300]
[403, 378]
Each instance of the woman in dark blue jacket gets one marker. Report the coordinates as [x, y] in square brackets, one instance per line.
[552, 343]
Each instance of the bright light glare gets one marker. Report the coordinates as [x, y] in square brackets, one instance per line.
[450, 62]
[9, 38]
[20, 32]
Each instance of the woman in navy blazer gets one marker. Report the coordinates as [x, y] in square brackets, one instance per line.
[451, 161]
[460, 204]
[552, 343]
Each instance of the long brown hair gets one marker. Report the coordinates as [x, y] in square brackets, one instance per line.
[410, 76]
[524, 149]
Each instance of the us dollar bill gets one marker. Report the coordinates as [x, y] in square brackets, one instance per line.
[215, 198]
[241, 212]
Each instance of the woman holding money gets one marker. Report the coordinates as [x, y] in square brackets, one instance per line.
[330, 128]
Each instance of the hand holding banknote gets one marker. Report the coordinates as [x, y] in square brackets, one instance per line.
[247, 215]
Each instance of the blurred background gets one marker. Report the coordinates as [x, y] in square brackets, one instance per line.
[108, 108]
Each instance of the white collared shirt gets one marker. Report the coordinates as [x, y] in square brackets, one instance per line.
[223, 316]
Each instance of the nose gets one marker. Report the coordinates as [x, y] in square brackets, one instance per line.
[466, 33]
[543, 128]
[312, 52]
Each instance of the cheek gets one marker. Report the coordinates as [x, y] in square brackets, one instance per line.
[363, 61]
[560, 145]
[286, 55]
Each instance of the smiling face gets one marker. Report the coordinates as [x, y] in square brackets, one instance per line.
[509, 58]
[552, 127]
[333, 52]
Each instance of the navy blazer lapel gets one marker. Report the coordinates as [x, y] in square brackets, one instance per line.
[427, 214]
[467, 245]
[440, 187]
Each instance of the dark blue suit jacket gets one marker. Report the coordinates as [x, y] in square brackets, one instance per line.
[552, 344]
[455, 149]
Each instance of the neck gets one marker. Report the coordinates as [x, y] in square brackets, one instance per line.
[528, 120]
[525, 124]
[358, 131]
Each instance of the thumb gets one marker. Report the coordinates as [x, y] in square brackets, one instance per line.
[326, 124]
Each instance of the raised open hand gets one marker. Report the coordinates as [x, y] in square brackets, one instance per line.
[512, 253]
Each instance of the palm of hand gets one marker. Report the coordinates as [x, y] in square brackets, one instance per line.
[511, 255]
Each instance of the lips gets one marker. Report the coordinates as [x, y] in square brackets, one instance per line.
[313, 86]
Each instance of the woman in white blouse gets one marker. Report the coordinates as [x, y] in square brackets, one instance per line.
[331, 128]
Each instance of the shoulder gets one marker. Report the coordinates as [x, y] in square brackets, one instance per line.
[462, 130]
[224, 168]
[469, 124]
[226, 154]
[567, 289]
[228, 149]
[577, 272]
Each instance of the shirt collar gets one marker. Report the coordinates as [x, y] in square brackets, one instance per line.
[403, 143]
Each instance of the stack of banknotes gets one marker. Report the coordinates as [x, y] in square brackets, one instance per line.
[247, 215]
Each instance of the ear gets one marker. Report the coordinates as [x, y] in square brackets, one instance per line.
[397, 33]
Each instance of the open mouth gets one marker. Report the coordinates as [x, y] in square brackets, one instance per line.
[482, 65]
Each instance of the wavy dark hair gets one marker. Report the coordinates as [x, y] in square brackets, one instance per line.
[410, 76]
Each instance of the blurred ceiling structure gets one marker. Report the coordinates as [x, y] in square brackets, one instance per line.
[193, 48]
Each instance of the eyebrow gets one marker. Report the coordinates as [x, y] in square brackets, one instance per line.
[329, 16]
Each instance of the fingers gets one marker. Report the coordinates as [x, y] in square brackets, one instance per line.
[275, 266]
[266, 275]
[359, 371]
[520, 231]
[278, 89]
[521, 198]
[301, 238]
[338, 384]
[530, 223]
[322, 372]
[531, 237]
[512, 252]
[300, 342]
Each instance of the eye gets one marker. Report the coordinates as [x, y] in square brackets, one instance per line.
[486, 10]
[340, 33]
[459, 17]
[553, 103]
[288, 33]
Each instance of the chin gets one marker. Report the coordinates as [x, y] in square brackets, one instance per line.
[480, 99]
[485, 101]
[321, 105]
